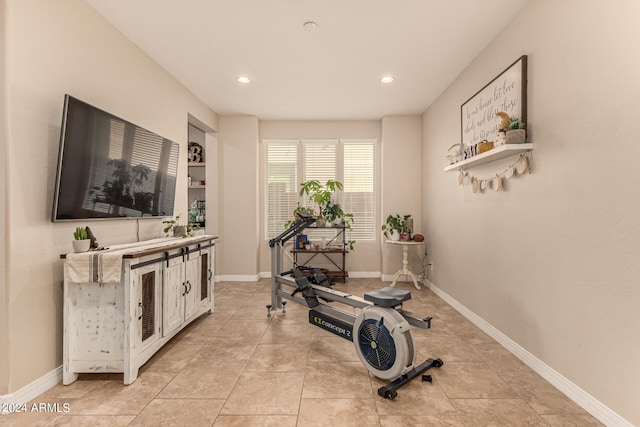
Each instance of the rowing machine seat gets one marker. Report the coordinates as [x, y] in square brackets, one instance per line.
[388, 297]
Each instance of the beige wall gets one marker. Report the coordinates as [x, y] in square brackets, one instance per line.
[56, 48]
[4, 312]
[239, 214]
[553, 261]
[401, 191]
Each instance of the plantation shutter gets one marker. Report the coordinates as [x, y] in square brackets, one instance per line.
[282, 184]
[319, 161]
[359, 187]
[319, 164]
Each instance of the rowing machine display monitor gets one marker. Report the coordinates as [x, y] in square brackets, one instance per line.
[380, 332]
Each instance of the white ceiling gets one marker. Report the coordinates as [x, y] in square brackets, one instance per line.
[332, 72]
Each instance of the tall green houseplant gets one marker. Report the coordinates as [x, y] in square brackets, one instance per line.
[320, 194]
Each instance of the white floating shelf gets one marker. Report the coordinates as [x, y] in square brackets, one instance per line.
[196, 164]
[491, 155]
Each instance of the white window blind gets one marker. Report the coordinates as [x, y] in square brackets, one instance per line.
[281, 184]
[359, 187]
[319, 162]
[352, 162]
[319, 158]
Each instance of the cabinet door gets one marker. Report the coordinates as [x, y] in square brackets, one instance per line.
[174, 289]
[193, 276]
[147, 285]
[206, 277]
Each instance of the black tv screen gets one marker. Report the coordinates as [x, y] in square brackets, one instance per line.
[110, 168]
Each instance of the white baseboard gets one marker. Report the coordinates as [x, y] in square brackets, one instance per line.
[352, 274]
[33, 390]
[237, 278]
[589, 403]
[401, 278]
[365, 274]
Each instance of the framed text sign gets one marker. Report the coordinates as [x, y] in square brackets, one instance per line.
[507, 92]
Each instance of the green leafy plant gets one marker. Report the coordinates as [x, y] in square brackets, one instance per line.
[174, 228]
[320, 194]
[80, 233]
[515, 123]
[396, 222]
[333, 211]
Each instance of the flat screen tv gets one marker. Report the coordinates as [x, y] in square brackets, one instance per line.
[109, 168]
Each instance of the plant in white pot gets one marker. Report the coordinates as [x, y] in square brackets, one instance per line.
[395, 226]
[81, 241]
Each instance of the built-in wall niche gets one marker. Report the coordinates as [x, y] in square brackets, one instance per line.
[197, 176]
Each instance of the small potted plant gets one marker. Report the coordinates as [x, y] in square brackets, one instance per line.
[334, 213]
[396, 226]
[513, 127]
[516, 134]
[81, 241]
[173, 227]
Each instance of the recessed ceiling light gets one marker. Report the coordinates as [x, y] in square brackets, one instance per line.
[310, 25]
[243, 79]
[387, 79]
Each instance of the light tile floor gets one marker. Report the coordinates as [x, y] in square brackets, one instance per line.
[237, 367]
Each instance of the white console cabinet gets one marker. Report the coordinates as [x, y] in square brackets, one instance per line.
[115, 321]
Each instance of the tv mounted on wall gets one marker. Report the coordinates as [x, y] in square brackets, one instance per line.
[109, 168]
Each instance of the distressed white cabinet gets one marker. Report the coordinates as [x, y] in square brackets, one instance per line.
[118, 326]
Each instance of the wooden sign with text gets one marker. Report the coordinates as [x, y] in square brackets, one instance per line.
[507, 92]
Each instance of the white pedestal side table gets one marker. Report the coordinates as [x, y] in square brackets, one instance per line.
[405, 261]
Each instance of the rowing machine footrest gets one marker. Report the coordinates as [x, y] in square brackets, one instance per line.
[321, 279]
[305, 287]
[388, 297]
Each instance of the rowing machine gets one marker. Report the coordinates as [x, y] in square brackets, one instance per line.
[380, 331]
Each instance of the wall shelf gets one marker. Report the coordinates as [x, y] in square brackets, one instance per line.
[491, 155]
[196, 164]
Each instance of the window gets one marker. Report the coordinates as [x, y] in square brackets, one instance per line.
[291, 162]
[281, 184]
[359, 187]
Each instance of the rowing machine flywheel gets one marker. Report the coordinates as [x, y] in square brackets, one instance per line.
[383, 342]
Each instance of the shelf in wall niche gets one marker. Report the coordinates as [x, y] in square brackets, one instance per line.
[490, 156]
[196, 186]
[196, 164]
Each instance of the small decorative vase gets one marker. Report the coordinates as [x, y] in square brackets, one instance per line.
[395, 235]
[516, 136]
[404, 237]
[81, 245]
